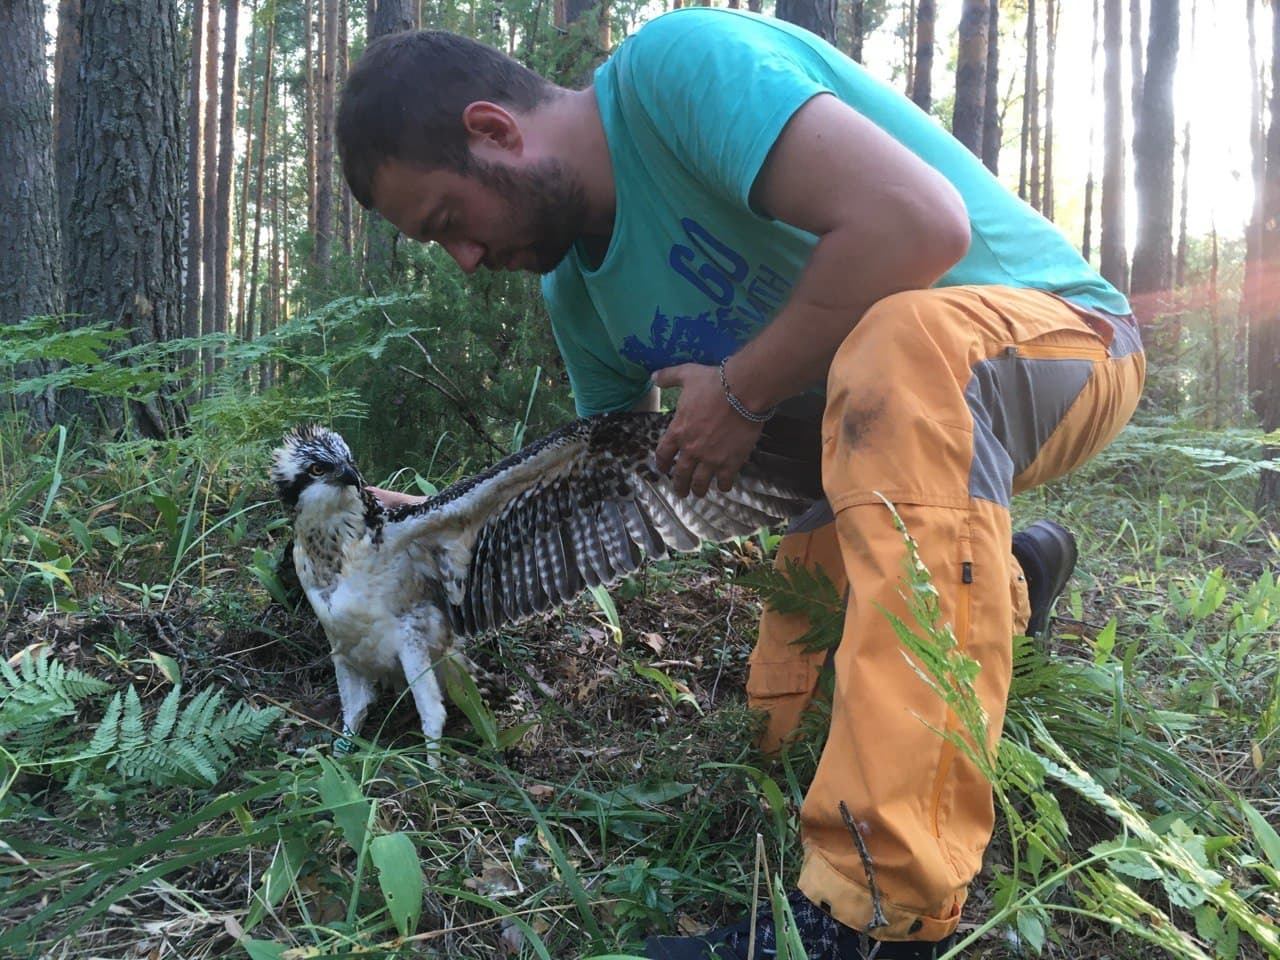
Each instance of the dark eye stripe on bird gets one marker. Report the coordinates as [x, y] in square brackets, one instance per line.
[584, 505]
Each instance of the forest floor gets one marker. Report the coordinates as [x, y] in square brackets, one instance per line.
[608, 786]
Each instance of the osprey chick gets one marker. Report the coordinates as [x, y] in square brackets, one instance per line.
[582, 506]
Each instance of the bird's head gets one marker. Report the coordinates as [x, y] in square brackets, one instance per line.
[313, 462]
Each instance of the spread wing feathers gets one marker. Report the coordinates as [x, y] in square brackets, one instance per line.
[581, 507]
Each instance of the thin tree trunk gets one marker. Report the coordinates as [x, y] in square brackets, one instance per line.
[195, 181]
[30, 260]
[909, 54]
[992, 134]
[971, 75]
[251, 317]
[1264, 332]
[1030, 100]
[208, 251]
[226, 169]
[1215, 333]
[346, 215]
[309, 111]
[1251, 295]
[922, 89]
[386, 16]
[1051, 12]
[857, 28]
[1137, 71]
[1152, 275]
[66, 97]
[1086, 244]
[1114, 266]
[242, 220]
[324, 145]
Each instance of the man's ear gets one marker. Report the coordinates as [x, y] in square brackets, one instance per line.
[489, 125]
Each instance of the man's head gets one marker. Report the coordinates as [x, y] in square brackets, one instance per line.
[406, 97]
[433, 130]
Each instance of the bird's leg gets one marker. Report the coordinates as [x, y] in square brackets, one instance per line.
[422, 680]
[356, 692]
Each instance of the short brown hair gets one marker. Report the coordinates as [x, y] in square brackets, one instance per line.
[404, 101]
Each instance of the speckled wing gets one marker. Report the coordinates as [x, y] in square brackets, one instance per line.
[583, 506]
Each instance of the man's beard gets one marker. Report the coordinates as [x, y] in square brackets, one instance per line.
[547, 204]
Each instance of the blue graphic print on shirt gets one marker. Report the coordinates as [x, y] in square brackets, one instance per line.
[742, 300]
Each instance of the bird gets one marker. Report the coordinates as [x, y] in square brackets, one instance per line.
[395, 587]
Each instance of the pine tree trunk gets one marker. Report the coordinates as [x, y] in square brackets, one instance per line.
[922, 89]
[66, 95]
[1137, 71]
[127, 203]
[324, 143]
[1151, 278]
[971, 75]
[1086, 243]
[309, 111]
[345, 213]
[194, 194]
[1264, 331]
[992, 132]
[242, 217]
[226, 169]
[209, 231]
[1251, 294]
[30, 264]
[816, 16]
[1114, 265]
[1051, 10]
[251, 317]
[380, 237]
[857, 28]
[1029, 101]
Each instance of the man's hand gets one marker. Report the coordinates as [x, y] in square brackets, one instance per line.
[707, 439]
[393, 498]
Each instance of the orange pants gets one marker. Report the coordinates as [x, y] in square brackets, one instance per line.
[946, 402]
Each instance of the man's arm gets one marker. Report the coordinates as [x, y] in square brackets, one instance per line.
[886, 222]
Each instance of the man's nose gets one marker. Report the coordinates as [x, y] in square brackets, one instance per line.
[467, 253]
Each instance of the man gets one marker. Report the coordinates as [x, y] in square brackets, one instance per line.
[736, 210]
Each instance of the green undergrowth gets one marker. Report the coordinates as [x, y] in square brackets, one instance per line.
[168, 781]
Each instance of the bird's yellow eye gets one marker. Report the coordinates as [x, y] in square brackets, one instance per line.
[316, 470]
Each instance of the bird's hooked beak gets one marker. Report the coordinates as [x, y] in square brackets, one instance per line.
[350, 476]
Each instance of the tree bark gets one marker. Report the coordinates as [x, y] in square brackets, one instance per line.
[857, 28]
[226, 168]
[194, 262]
[992, 134]
[66, 95]
[251, 317]
[324, 143]
[209, 227]
[1051, 11]
[386, 16]
[926, 24]
[1251, 294]
[1086, 243]
[1030, 101]
[1114, 265]
[242, 216]
[1152, 275]
[816, 16]
[1264, 330]
[29, 254]
[309, 110]
[971, 75]
[125, 253]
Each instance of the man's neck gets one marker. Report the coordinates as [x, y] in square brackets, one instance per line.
[571, 130]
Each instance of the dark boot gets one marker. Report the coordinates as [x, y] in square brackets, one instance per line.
[1047, 552]
[823, 937]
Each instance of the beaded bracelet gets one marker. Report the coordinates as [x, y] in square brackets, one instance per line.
[739, 407]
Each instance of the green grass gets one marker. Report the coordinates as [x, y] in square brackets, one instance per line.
[605, 785]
